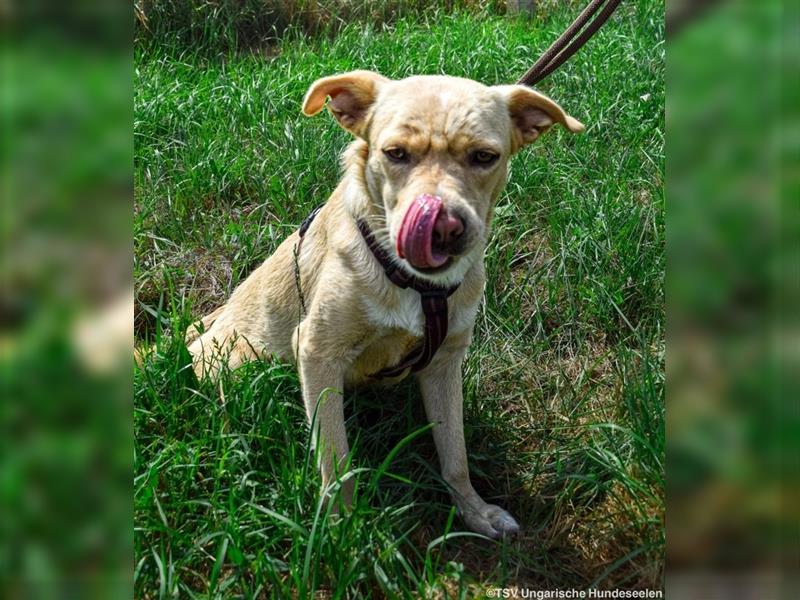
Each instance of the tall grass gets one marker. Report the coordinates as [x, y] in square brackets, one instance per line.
[227, 25]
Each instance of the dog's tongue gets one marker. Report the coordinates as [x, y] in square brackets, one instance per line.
[415, 240]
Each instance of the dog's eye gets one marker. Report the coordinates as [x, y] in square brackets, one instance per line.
[396, 154]
[483, 158]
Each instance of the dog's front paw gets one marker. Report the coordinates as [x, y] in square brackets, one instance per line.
[491, 521]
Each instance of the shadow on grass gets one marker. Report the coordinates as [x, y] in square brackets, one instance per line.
[545, 555]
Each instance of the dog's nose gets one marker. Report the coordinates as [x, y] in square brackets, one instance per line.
[448, 228]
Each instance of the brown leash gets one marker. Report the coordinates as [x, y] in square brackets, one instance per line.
[569, 42]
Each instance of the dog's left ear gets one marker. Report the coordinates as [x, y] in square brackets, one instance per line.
[352, 94]
[533, 113]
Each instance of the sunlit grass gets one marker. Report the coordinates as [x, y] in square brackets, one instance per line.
[564, 383]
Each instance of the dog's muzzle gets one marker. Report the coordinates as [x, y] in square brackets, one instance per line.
[430, 234]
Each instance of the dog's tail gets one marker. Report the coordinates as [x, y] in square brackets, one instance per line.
[197, 328]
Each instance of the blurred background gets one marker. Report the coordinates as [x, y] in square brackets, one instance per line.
[66, 311]
[65, 308]
[732, 291]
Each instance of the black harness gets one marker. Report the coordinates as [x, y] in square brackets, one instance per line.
[433, 299]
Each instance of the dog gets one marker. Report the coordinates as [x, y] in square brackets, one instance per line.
[386, 278]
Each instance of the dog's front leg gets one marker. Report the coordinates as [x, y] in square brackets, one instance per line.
[441, 389]
[322, 382]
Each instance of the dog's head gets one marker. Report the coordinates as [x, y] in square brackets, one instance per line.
[437, 155]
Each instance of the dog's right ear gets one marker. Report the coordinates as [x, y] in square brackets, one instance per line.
[533, 113]
[352, 94]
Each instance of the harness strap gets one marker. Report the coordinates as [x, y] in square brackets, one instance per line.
[306, 224]
[433, 300]
[300, 234]
[434, 307]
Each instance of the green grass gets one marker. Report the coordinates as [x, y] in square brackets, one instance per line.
[564, 383]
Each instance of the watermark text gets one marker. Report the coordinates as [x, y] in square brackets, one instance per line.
[570, 594]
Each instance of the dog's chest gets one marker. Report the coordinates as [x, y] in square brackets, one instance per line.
[405, 313]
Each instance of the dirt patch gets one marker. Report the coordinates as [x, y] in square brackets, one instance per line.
[198, 278]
